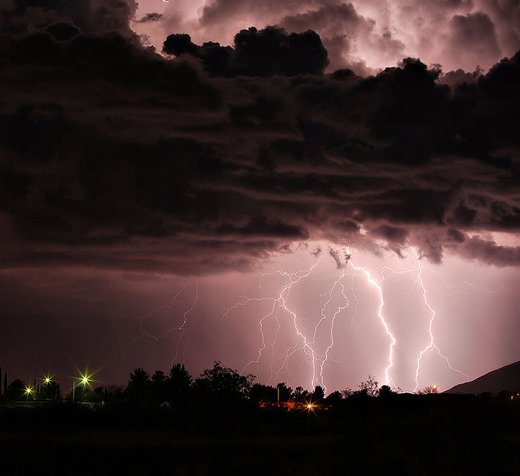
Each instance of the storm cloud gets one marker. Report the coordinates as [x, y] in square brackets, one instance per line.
[113, 156]
[363, 35]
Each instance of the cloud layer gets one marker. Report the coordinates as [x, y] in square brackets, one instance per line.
[114, 156]
[363, 35]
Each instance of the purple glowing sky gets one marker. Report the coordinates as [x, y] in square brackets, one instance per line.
[362, 34]
[92, 316]
[152, 209]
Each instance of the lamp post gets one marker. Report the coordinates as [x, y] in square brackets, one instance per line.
[84, 379]
[28, 392]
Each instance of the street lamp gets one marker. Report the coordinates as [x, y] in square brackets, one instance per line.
[28, 392]
[84, 379]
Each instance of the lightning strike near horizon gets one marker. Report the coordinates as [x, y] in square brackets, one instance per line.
[381, 317]
[279, 304]
[335, 302]
[417, 271]
[333, 321]
[431, 343]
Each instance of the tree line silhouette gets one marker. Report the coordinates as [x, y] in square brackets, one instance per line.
[215, 384]
[222, 422]
[218, 385]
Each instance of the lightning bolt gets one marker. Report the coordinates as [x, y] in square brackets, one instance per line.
[417, 271]
[180, 328]
[431, 346]
[381, 317]
[333, 321]
[280, 305]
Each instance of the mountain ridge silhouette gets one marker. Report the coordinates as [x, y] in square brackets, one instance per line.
[505, 378]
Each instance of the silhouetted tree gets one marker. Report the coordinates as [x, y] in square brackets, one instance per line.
[49, 391]
[300, 394]
[15, 390]
[223, 382]
[347, 392]
[370, 386]
[159, 386]
[95, 396]
[139, 385]
[179, 383]
[319, 394]
[114, 393]
[334, 397]
[386, 392]
[262, 393]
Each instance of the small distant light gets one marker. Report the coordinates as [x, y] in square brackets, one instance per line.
[28, 391]
[47, 380]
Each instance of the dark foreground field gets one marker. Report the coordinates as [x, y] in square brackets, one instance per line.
[423, 436]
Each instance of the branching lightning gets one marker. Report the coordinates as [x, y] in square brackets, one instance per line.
[327, 317]
[332, 323]
[431, 343]
[382, 318]
[279, 304]
[313, 339]
[417, 271]
[180, 328]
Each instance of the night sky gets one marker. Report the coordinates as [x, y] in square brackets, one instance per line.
[309, 191]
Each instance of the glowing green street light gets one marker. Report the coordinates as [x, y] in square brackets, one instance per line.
[28, 391]
[84, 379]
[47, 380]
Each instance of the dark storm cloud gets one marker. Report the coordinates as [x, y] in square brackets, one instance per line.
[340, 26]
[489, 252]
[113, 156]
[364, 35]
[476, 38]
[151, 17]
[256, 53]
[91, 16]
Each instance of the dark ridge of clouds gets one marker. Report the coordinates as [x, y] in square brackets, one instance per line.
[341, 28]
[267, 52]
[457, 78]
[489, 252]
[116, 157]
[391, 234]
[338, 24]
[150, 17]
[63, 31]
[90, 16]
[476, 40]
[364, 35]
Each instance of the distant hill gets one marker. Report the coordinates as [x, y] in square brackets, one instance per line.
[505, 378]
